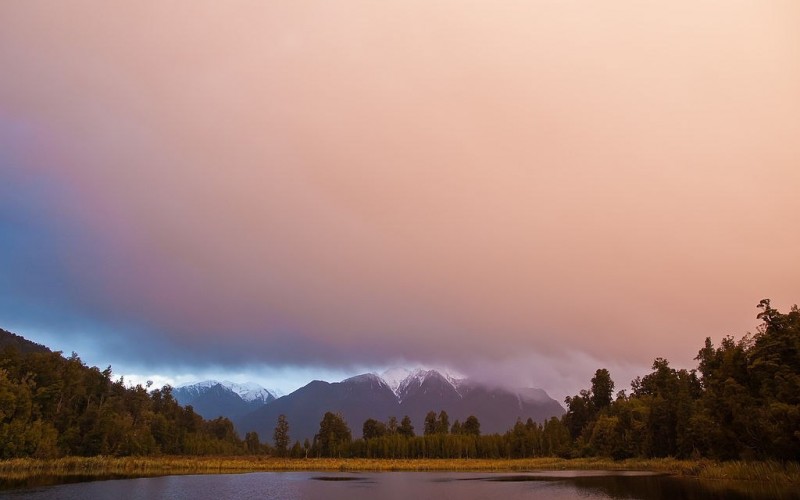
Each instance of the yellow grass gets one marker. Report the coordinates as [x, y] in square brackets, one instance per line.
[99, 467]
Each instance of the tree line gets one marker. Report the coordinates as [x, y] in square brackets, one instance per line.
[53, 406]
[741, 402]
[440, 439]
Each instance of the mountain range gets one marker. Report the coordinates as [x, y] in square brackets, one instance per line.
[395, 393]
[372, 396]
[212, 399]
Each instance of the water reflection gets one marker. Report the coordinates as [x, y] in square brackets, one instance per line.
[404, 485]
[647, 485]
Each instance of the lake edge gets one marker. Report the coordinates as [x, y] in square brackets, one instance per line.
[86, 468]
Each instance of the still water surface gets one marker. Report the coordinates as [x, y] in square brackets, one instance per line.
[407, 485]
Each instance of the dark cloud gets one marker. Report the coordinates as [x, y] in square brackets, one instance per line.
[347, 187]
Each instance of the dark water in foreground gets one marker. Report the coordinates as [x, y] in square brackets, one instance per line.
[407, 485]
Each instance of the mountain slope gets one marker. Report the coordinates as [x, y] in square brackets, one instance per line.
[430, 391]
[369, 396]
[212, 399]
[357, 399]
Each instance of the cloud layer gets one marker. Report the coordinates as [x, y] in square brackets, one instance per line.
[314, 184]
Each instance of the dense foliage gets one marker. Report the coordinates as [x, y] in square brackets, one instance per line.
[54, 406]
[384, 440]
[742, 402]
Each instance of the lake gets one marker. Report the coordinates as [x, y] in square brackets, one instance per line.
[406, 485]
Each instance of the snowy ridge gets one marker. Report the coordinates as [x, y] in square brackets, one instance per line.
[368, 378]
[248, 391]
[401, 380]
[394, 377]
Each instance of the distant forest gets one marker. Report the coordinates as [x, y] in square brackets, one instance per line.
[741, 402]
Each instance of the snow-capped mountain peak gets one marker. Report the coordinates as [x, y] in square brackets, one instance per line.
[369, 378]
[402, 380]
[199, 385]
[248, 391]
[394, 377]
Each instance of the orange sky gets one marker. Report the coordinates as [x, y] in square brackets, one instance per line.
[521, 187]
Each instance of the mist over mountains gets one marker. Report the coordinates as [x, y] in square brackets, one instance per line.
[395, 394]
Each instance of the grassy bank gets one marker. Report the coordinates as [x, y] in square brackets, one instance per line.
[104, 467]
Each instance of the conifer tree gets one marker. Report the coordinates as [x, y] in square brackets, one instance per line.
[281, 436]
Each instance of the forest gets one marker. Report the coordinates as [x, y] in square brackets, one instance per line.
[741, 402]
[52, 406]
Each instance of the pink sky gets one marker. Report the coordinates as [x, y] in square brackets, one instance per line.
[528, 188]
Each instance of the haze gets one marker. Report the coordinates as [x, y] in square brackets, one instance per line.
[524, 191]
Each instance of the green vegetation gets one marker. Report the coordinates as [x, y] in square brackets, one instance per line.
[528, 439]
[103, 466]
[281, 436]
[742, 403]
[51, 406]
[334, 437]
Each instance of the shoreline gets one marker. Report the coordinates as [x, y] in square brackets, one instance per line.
[88, 468]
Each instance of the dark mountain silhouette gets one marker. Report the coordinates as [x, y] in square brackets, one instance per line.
[212, 399]
[357, 399]
[369, 396]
